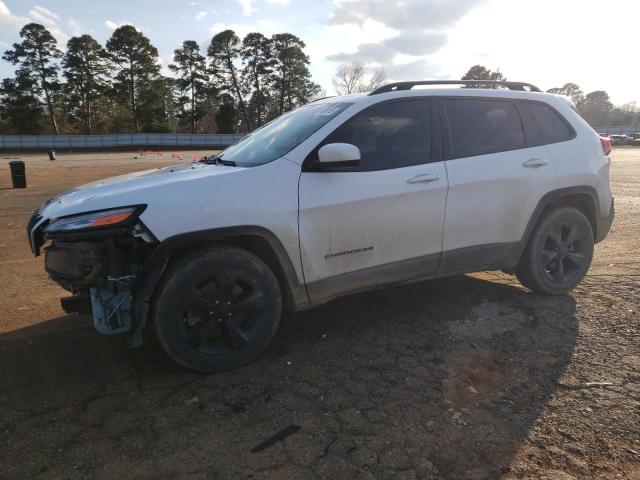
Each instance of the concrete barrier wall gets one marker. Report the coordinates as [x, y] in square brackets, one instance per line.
[618, 129]
[124, 140]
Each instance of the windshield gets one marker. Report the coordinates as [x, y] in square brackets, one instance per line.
[281, 135]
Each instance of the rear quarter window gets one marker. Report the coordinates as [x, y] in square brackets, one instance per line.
[543, 125]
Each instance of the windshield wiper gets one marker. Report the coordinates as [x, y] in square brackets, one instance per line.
[226, 163]
[209, 160]
[218, 161]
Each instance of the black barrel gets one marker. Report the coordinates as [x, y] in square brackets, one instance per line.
[52, 155]
[18, 176]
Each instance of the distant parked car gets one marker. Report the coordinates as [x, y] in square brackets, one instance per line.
[621, 139]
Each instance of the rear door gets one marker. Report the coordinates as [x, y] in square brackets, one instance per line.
[496, 179]
[382, 221]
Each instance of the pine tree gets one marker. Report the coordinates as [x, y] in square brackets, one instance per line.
[135, 82]
[291, 79]
[86, 71]
[36, 55]
[21, 108]
[171, 102]
[227, 115]
[190, 66]
[257, 55]
[223, 52]
[480, 72]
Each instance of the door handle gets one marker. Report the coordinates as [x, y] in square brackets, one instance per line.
[535, 163]
[424, 178]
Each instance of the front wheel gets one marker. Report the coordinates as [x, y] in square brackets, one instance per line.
[559, 252]
[217, 309]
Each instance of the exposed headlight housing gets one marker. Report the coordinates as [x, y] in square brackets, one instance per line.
[90, 221]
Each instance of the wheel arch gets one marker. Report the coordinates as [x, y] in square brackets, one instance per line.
[583, 197]
[581, 200]
[257, 240]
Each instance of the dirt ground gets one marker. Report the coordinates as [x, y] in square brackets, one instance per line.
[467, 377]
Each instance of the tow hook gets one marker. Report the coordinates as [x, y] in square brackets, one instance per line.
[77, 304]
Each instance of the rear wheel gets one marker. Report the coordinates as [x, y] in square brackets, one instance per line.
[217, 309]
[559, 252]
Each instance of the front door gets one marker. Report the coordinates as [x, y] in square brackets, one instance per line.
[382, 221]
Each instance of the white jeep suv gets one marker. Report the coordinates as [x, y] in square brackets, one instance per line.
[341, 195]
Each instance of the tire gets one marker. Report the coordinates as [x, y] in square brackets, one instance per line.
[217, 309]
[558, 254]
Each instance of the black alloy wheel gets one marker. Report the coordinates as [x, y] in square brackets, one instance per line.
[216, 309]
[559, 252]
[219, 315]
[564, 253]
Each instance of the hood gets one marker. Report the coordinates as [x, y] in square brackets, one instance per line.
[130, 189]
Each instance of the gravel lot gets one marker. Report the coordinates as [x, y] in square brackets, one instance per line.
[466, 377]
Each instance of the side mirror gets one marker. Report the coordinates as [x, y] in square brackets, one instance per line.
[338, 155]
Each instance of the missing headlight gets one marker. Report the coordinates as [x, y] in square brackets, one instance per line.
[75, 265]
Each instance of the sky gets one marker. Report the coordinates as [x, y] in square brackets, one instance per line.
[544, 42]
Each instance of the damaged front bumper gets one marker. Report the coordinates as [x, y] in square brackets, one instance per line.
[82, 267]
[98, 267]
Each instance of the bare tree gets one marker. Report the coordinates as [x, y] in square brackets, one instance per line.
[351, 78]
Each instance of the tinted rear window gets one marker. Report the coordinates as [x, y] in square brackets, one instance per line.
[479, 127]
[542, 125]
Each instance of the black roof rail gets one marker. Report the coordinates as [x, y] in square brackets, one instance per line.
[396, 86]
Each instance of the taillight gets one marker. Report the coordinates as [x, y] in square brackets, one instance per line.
[606, 145]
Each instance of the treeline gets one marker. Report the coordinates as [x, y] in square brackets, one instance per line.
[595, 107]
[235, 86]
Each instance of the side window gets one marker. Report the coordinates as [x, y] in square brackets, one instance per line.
[389, 135]
[542, 125]
[479, 126]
